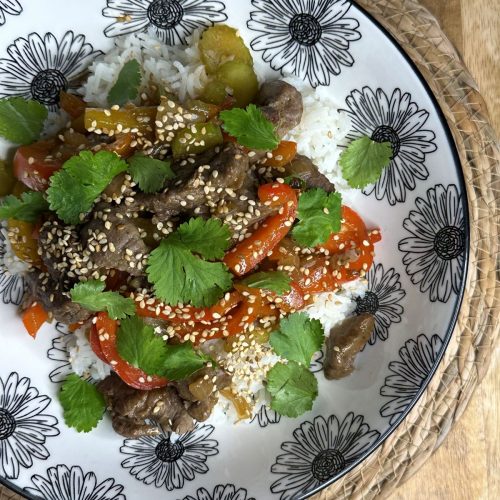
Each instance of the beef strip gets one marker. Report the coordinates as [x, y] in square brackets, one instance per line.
[113, 240]
[281, 103]
[244, 209]
[62, 251]
[304, 169]
[54, 297]
[136, 413]
[203, 186]
[345, 341]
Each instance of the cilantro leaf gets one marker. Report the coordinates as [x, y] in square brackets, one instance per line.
[148, 173]
[27, 208]
[182, 361]
[319, 215]
[138, 345]
[21, 120]
[298, 338]
[293, 389]
[275, 281]
[180, 276]
[82, 403]
[250, 127]
[126, 87]
[74, 188]
[91, 295]
[363, 160]
[209, 238]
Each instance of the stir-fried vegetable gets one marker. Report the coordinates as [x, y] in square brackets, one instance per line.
[196, 139]
[283, 154]
[240, 79]
[24, 245]
[106, 329]
[34, 164]
[247, 254]
[34, 317]
[220, 44]
[72, 104]
[137, 120]
[7, 179]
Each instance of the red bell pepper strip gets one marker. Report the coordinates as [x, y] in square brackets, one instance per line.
[32, 167]
[293, 300]
[246, 255]
[134, 377]
[282, 155]
[95, 344]
[34, 317]
[187, 313]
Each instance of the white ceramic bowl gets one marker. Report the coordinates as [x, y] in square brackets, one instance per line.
[415, 286]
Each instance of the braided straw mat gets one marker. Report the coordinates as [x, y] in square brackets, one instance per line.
[468, 355]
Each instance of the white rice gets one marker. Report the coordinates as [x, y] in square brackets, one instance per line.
[321, 132]
[82, 358]
[176, 68]
[331, 308]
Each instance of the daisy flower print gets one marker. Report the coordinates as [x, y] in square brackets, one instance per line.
[9, 7]
[169, 460]
[24, 427]
[396, 119]
[39, 67]
[171, 20]
[434, 251]
[308, 39]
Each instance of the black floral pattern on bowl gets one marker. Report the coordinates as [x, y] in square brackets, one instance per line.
[382, 299]
[40, 66]
[221, 492]
[11, 285]
[169, 460]
[24, 427]
[400, 121]
[321, 449]
[308, 39]
[265, 416]
[409, 374]
[59, 353]
[63, 483]
[10, 7]
[171, 20]
[434, 253]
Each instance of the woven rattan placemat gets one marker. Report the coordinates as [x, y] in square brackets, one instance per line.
[468, 355]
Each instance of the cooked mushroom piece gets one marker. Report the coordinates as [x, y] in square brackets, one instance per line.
[345, 341]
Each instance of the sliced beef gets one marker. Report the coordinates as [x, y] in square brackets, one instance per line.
[61, 250]
[304, 169]
[206, 185]
[281, 103]
[136, 413]
[54, 297]
[113, 240]
[244, 209]
[345, 341]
